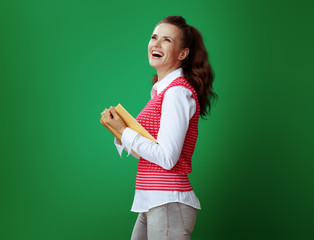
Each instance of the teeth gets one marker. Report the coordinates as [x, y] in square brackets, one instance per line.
[157, 53]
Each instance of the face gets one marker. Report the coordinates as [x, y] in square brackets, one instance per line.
[164, 48]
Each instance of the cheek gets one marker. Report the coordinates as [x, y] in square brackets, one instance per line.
[149, 44]
[148, 48]
[171, 52]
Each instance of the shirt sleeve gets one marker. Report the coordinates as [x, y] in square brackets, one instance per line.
[131, 136]
[178, 107]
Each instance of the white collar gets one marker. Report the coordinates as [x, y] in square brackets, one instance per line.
[160, 86]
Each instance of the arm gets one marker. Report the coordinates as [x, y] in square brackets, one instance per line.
[177, 109]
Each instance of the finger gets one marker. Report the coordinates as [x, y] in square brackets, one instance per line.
[113, 112]
[104, 113]
[102, 118]
[107, 113]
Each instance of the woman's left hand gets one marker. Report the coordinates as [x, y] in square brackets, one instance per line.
[112, 118]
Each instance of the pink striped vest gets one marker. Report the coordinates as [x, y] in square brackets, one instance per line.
[151, 176]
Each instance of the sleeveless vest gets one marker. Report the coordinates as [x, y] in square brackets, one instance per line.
[151, 176]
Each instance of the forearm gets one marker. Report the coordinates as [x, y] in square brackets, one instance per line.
[147, 149]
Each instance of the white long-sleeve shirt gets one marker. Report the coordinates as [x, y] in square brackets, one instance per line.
[177, 109]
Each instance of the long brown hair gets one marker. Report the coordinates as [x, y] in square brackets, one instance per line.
[196, 68]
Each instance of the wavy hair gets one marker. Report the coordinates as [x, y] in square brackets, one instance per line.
[196, 67]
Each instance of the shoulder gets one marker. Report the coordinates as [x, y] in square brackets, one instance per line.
[180, 81]
[179, 91]
[180, 87]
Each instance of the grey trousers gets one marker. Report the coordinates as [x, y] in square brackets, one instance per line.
[172, 221]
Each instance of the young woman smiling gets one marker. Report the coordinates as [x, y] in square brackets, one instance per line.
[182, 91]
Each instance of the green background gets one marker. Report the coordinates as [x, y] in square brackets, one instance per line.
[63, 62]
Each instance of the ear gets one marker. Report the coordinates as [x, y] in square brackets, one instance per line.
[184, 53]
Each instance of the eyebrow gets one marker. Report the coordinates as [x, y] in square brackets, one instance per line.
[154, 34]
[167, 37]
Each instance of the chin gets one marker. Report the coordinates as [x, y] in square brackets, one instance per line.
[154, 64]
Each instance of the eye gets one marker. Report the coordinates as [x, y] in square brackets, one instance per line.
[167, 40]
[154, 37]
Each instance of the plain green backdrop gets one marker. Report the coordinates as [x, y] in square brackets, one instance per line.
[63, 62]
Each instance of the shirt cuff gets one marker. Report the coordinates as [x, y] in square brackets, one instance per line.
[119, 146]
[127, 139]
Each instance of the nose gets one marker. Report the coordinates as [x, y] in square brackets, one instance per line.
[157, 43]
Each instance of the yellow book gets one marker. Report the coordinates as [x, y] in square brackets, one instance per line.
[131, 123]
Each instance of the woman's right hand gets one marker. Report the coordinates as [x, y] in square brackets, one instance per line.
[112, 118]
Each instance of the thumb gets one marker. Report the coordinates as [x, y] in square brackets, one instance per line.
[113, 112]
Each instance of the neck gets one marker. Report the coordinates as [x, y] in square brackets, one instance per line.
[162, 73]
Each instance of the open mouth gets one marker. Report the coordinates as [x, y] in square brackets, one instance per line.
[157, 54]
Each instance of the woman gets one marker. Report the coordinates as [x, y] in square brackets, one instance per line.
[182, 91]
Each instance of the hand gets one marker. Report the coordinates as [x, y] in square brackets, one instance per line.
[112, 118]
